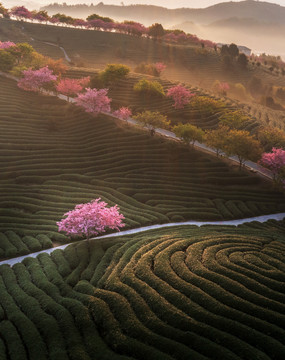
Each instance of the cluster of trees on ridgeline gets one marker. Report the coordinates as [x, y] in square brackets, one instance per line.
[97, 22]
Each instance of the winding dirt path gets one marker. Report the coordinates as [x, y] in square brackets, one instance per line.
[260, 219]
[67, 58]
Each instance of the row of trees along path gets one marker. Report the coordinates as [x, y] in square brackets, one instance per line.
[254, 167]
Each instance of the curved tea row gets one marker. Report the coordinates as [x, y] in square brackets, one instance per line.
[60, 156]
[193, 293]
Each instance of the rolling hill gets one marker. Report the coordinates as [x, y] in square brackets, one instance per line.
[149, 14]
[179, 293]
[97, 48]
[60, 156]
[208, 293]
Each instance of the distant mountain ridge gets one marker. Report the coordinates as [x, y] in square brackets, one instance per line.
[148, 14]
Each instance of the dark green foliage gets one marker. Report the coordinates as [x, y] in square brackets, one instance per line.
[149, 88]
[156, 30]
[113, 73]
[224, 50]
[7, 61]
[255, 86]
[44, 240]
[12, 244]
[98, 17]
[17, 242]
[64, 18]
[176, 293]
[148, 69]
[227, 62]
[233, 50]
[242, 61]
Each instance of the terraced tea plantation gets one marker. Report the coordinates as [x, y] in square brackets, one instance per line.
[59, 156]
[206, 116]
[178, 293]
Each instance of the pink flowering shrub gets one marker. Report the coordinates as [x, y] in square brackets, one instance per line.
[180, 95]
[183, 38]
[21, 12]
[91, 219]
[223, 88]
[33, 80]
[54, 20]
[275, 161]
[123, 113]
[94, 101]
[6, 44]
[80, 22]
[71, 87]
[160, 67]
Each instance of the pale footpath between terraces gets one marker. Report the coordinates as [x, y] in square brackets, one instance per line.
[260, 219]
[249, 164]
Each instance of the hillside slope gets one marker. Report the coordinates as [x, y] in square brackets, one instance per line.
[60, 156]
[208, 293]
[96, 48]
[149, 14]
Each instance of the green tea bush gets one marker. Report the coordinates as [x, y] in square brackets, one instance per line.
[148, 69]
[171, 293]
[149, 88]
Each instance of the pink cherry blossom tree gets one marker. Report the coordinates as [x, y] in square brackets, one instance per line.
[180, 95]
[123, 113]
[33, 80]
[90, 219]
[71, 87]
[21, 12]
[275, 161]
[6, 44]
[54, 20]
[96, 24]
[94, 101]
[80, 23]
[39, 17]
[160, 67]
[223, 88]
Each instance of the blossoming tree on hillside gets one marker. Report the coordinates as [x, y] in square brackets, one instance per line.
[275, 161]
[90, 219]
[180, 95]
[94, 101]
[160, 67]
[21, 12]
[123, 113]
[71, 87]
[6, 44]
[33, 80]
[224, 88]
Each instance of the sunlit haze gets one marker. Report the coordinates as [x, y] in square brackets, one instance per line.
[168, 3]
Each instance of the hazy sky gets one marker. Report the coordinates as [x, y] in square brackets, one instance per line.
[165, 3]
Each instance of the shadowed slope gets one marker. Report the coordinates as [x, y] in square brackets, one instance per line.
[59, 156]
[209, 293]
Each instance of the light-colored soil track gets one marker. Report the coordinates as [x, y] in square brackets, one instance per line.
[260, 219]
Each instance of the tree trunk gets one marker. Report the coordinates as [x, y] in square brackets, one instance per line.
[240, 162]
